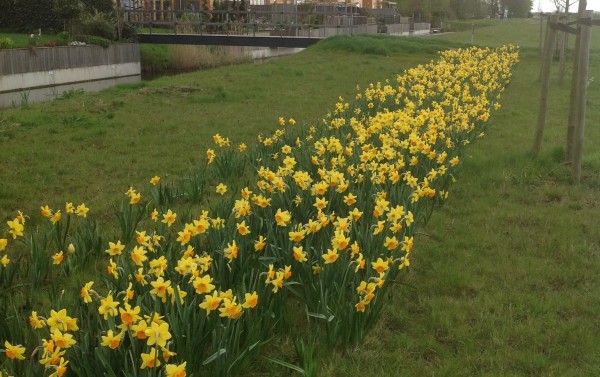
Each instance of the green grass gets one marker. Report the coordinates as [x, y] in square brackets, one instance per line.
[504, 279]
[22, 40]
[505, 282]
[92, 147]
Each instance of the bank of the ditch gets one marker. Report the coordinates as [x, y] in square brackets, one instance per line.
[165, 60]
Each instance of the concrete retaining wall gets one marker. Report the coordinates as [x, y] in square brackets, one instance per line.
[418, 28]
[342, 30]
[41, 74]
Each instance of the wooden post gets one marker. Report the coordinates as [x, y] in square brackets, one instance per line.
[545, 82]
[563, 46]
[546, 34]
[582, 82]
[563, 51]
[541, 33]
[574, 91]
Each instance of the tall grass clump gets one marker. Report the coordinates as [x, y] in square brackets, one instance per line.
[188, 57]
[304, 235]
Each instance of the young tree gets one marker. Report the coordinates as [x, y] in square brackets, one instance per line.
[563, 5]
[103, 6]
[67, 11]
[517, 8]
[494, 8]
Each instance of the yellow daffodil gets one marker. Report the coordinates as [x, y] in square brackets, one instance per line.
[158, 334]
[380, 265]
[108, 307]
[45, 211]
[242, 228]
[114, 249]
[210, 302]
[138, 255]
[169, 217]
[159, 288]
[62, 340]
[404, 262]
[173, 370]
[331, 256]
[112, 340]
[221, 189]
[129, 315]
[36, 322]
[139, 330]
[112, 269]
[82, 210]
[260, 243]
[407, 244]
[282, 218]
[58, 258]
[15, 228]
[230, 309]
[150, 360]
[135, 198]
[85, 292]
[391, 243]
[250, 300]
[60, 368]
[60, 320]
[203, 284]
[69, 208]
[231, 251]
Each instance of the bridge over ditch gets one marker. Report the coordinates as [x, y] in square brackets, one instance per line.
[264, 26]
[229, 40]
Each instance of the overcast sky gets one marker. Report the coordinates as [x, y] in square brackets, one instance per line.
[548, 5]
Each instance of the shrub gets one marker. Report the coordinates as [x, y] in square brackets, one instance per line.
[63, 38]
[94, 40]
[99, 25]
[68, 11]
[129, 32]
[6, 43]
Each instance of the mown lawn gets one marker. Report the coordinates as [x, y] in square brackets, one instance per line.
[503, 280]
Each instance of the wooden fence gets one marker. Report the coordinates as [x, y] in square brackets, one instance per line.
[16, 61]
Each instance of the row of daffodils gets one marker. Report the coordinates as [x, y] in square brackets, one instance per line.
[303, 234]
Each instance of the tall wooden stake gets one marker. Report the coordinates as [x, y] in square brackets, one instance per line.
[573, 117]
[582, 81]
[545, 82]
[541, 33]
[564, 37]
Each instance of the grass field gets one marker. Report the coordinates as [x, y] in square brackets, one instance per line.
[504, 279]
